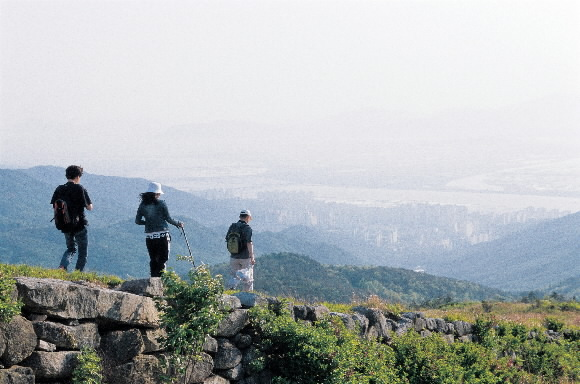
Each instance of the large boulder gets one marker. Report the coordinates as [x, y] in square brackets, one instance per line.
[52, 365]
[68, 337]
[122, 346]
[143, 369]
[151, 287]
[17, 375]
[250, 299]
[19, 340]
[228, 355]
[201, 369]
[70, 300]
[233, 323]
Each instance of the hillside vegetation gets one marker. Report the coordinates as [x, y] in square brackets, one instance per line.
[292, 275]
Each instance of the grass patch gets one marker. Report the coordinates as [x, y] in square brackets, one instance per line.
[21, 270]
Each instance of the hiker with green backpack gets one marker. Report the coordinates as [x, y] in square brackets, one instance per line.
[239, 244]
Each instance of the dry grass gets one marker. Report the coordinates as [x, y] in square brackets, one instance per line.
[529, 314]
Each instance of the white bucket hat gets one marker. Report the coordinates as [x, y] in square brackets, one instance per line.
[155, 188]
[246, 212]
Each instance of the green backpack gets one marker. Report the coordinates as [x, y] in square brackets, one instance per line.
[234, 239]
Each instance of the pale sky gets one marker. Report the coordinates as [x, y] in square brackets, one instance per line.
[119, 71]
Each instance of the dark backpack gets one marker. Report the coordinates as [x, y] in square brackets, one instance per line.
[234, 239]
[66, 218]
[62, 219]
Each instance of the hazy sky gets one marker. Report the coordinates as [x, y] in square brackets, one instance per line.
[121, 71]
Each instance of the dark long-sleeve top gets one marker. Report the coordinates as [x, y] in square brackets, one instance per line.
[154, 217]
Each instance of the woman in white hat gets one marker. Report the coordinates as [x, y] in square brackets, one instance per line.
[154, 215]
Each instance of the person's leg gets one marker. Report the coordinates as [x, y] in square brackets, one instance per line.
[152, 250]
[163, 256]
[82, 240]
[235, 266]
[158, 255]
[70, 251]
[247, 285]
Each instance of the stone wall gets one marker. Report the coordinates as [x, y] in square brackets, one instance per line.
[59, 318]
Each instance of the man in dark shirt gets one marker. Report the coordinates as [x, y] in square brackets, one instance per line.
[77, 199]
[241, 263]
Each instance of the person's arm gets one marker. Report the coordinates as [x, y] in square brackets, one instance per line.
[88, 202]
[139, 217]
[169, 219]
[251, 252]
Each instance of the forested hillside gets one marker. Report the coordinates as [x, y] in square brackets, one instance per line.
[298, 276]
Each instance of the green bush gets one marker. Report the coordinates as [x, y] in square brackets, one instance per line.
[9, 307]
[322, 353]
[88, 368]
[189, 311]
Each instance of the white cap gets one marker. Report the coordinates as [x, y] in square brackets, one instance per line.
[246, 212]
[155, 188]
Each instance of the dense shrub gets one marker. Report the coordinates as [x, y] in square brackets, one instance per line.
[322, 353]
[189, 311]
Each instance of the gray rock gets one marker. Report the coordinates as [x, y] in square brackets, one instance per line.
[210, 345]
[235, 373]
[316, 312]
[378, 327]
[227, 356]
[45, 346]
[67, 337]
[462, 328]
[229, 303]
[122, 346]
[19, 340]
[151, 287]
[216, 380]
[441, 326]
[69, 300]
[151, 339]
[403, 325]
[300, 312]
[431, 324]
[143, 369]
[52, 365]
[250, 299]
[17, 375]
[242, 340]
[201, 369]
[233, 324]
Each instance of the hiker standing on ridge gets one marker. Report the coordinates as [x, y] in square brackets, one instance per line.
[242, 254]
[75, 232]
[154, 215]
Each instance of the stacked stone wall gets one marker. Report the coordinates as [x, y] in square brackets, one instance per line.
[60, 318]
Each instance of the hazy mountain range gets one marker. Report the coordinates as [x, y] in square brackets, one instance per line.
[541, 257]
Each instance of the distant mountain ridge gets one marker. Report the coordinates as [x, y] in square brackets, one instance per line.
[548, 252]
[301, 277]
[534, 257]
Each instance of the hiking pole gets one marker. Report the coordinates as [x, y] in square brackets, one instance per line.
[187, 242]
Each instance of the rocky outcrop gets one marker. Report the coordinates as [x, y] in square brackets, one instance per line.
[60, 318]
